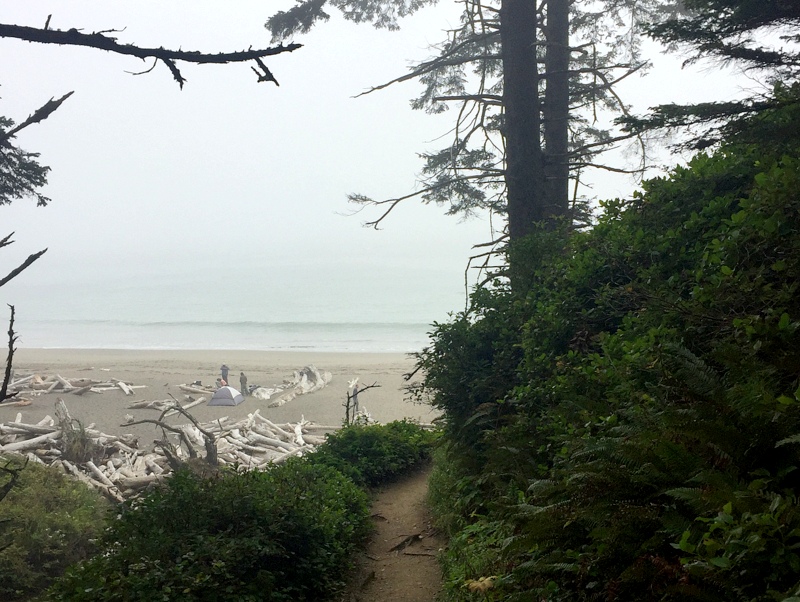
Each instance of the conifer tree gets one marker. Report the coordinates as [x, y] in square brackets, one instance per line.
[762, 37]
[530, 81]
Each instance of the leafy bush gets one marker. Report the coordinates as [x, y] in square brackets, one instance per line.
[372, 454]
[622, 413]
[48, 523]
[284, 534]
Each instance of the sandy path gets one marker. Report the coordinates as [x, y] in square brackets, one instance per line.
[400, 563]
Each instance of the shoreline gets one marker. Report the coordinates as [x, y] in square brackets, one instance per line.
[162, 371]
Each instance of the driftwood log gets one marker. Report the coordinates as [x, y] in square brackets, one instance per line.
[119, 469]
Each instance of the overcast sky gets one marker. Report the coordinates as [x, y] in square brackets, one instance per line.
[228, 176]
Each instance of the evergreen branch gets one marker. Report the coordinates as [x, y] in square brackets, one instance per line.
[449, 58]
[584, 149]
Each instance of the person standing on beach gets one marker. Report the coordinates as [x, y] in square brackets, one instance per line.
[243, 382]
[224, 369]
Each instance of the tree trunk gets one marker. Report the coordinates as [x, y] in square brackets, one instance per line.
[524, 175]
[556, 108]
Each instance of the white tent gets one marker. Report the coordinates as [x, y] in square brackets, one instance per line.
[226, 396]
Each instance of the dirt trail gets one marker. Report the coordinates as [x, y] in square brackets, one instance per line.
[400, 563]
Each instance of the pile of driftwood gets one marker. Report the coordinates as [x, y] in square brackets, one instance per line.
[33, 385]
[117, 467]
[306, 380]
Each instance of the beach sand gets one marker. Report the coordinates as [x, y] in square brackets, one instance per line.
[163, 371]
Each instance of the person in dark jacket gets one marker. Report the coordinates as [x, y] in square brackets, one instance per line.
[224, 369]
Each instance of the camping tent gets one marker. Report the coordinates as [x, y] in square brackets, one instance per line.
[226, 396]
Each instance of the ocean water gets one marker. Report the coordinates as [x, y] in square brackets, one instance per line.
[370, 337]
[383, 313]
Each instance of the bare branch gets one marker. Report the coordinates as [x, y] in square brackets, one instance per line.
[14, 474]
[12, 339]
[97, 40]
[166, 427]
[491, 99]
[608, 168]
[265, 75]
[40, 114]
[14, 273]
[153, 66]
[396, 201]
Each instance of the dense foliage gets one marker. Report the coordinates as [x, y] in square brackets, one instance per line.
[47, 522]
[21, 175]
[758, 36]
[373, 454]
[283, 534]
[623, 423]
[288, 533]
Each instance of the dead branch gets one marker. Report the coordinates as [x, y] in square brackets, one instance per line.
[14, 477]
[12, 338]
[166, 427]
[265, 75]
[351, 405]
[208, 437]
[73, 37]
[16, 272]
[38, 115]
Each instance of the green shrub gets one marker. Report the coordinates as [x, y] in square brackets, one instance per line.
[372, 454]
[288, 533]
[48, 523]
[622, 423]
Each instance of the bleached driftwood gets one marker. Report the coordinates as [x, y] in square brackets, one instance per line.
[32, 443]
[35, 384]
[194, 389]
[125, 388]
[120, 469]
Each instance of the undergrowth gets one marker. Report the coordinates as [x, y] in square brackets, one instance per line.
[290, 532]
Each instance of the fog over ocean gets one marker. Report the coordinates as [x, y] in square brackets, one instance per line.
[304, 309]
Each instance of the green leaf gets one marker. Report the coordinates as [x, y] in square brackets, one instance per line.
[787, 440]
[721, 561]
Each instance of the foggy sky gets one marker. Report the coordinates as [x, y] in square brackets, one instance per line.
[229, 178]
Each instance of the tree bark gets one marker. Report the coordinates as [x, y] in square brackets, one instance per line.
[556, 108]
[524, 174]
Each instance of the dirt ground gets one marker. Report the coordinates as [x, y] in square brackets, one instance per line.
[400, 563]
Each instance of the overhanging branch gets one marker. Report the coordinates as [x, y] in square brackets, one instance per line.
[73, 37]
